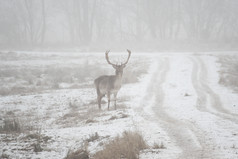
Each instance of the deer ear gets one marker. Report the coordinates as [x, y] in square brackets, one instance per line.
[124, 66]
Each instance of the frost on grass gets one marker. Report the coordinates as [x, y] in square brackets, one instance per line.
[66, 116]
[46, 74]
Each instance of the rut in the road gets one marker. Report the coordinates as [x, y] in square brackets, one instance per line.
[192, 134]
[185, 134]
[210, 106]
[205, 93]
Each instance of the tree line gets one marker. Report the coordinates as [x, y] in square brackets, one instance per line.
[78, 23]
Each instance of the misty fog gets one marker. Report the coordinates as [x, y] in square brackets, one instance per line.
[113, 79]
[96, 25]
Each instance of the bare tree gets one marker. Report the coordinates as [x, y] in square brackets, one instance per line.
[80, 23]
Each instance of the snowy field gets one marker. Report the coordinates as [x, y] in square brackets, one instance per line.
[187, 102]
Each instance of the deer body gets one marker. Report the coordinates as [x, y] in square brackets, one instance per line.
[110, 84]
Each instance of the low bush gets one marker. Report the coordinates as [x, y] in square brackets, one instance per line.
[79, 154]
[93, 137]
[10, 125]
[229, 72]
[159, 146]
[128, 146]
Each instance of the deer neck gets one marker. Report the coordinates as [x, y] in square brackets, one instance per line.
[118, 76]
[118, 81]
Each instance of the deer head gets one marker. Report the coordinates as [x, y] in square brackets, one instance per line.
[119, 68]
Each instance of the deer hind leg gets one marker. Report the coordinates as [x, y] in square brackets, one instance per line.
[99, 98]
[115, 100]
[99, 101]
[108, 97]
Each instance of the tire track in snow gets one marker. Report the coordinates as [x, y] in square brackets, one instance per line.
[223, 122]
[194, 141]
[145, 109]
[188, 137]
[206, 94]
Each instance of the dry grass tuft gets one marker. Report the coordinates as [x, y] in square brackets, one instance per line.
[229, 72]
[124, 115]
[11, 125]
[90, 121]
[93, 137]
[186, 95]
[79, 154]
[112, 117]
[37, 147]
[128, 146]
[159, 146]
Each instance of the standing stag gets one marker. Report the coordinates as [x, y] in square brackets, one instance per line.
[110, 84]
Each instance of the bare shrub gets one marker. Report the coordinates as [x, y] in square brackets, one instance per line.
[128, 146]
[90, 121]
[159, 146]
[38, 136]
[229, 72]
[93, 137]
[186, 95]
[10, 125]
[33, 136]
[79, 154]
[113, 117]
[39, 139]
[37, 147]
[11, 122]
[123, 115]
[120, 116]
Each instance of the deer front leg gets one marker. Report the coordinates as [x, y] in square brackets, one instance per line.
[108, 97]
[115, 100]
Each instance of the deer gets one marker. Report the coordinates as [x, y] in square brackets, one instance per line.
[110, 84]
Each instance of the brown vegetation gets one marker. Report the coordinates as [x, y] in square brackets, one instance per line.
[10, 125]
[229, 72]
[128, 146]
[79, 154]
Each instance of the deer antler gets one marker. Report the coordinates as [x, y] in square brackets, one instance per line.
[107, 58]
[128, 57]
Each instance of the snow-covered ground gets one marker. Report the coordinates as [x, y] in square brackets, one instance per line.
[177, 102]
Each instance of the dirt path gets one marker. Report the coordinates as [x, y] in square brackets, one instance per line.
[214, 97]
[198, 124]
[188, 137]
[210, 104]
